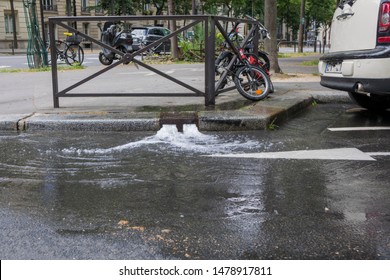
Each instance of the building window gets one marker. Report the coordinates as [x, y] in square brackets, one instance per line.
[84, 6]
[86, 28]
[9, 27]
[49, 5]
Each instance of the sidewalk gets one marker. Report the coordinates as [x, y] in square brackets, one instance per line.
[13, 51]
[293, 93]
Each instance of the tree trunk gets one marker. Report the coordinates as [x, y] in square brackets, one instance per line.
[271, 45]
[301, 26]
[172, 23]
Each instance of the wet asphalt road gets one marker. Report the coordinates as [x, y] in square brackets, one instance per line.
[62, 196]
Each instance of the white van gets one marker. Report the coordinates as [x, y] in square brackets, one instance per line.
[359, 58]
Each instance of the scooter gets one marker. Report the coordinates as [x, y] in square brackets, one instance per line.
[114, 36]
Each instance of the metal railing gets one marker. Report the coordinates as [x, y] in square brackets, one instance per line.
[209, 23]
[315, 44]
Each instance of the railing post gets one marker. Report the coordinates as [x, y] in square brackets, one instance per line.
[256, 38]
[209, 61]
[53, 58]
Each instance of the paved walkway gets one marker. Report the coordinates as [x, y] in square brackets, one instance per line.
[294, 92]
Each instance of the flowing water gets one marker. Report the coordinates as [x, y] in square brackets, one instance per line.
[159, 195]
[117, 160]
[89, 182]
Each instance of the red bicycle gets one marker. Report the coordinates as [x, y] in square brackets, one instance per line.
[249, 72]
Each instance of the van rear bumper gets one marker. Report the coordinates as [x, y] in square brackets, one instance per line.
[378, 52]
[368, 68]
[377, 86]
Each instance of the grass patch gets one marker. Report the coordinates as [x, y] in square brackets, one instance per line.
[5, 70]
[311, 62]
[272, 125]
[41, 69]
[291, 55]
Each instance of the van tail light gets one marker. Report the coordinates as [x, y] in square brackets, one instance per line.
[384, 23]
[384, 17]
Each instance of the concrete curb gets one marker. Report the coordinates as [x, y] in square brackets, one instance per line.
[255, 117]
[90, 122]
[11, 122]
[277, 109]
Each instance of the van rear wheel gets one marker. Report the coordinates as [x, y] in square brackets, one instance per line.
[373, 102]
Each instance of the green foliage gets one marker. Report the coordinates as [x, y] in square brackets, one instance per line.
[289, 12]
[320, 11]
[317, 11]
[120, 7]
[234, 8]
[193, 50]
[272, 125]
[183, 7]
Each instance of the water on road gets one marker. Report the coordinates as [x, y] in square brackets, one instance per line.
[160, 195]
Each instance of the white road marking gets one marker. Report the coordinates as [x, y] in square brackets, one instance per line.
[150, 73]
[326, 154]
[137, 73]
[166, 72]
[368, 128]
[4, 66]
[378, 154]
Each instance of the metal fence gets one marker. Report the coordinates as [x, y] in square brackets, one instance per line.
[210, 25]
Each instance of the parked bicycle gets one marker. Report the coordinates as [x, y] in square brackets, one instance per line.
[68, 51]
[248, 71]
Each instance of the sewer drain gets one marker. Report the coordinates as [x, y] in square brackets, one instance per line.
[178, 119]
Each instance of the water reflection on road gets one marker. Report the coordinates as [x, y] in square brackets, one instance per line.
[158, 197]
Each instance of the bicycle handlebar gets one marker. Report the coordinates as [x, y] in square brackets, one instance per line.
[260, 25]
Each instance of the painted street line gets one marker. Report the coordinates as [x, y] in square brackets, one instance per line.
[166, 72]
[378, 154]
[368, 128]
[137, 73]
[326, 154]
[4, 66]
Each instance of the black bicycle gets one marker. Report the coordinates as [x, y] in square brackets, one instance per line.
[68, 51]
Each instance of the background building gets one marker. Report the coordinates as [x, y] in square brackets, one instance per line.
[7, 28]
[47, 8]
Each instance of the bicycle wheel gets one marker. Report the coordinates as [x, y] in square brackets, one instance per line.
[264, 60]
[60, 47]
[260, 60]
[74, 55]
[221, 63]
[252, 82]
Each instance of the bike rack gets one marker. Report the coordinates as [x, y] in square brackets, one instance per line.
[209, 22]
